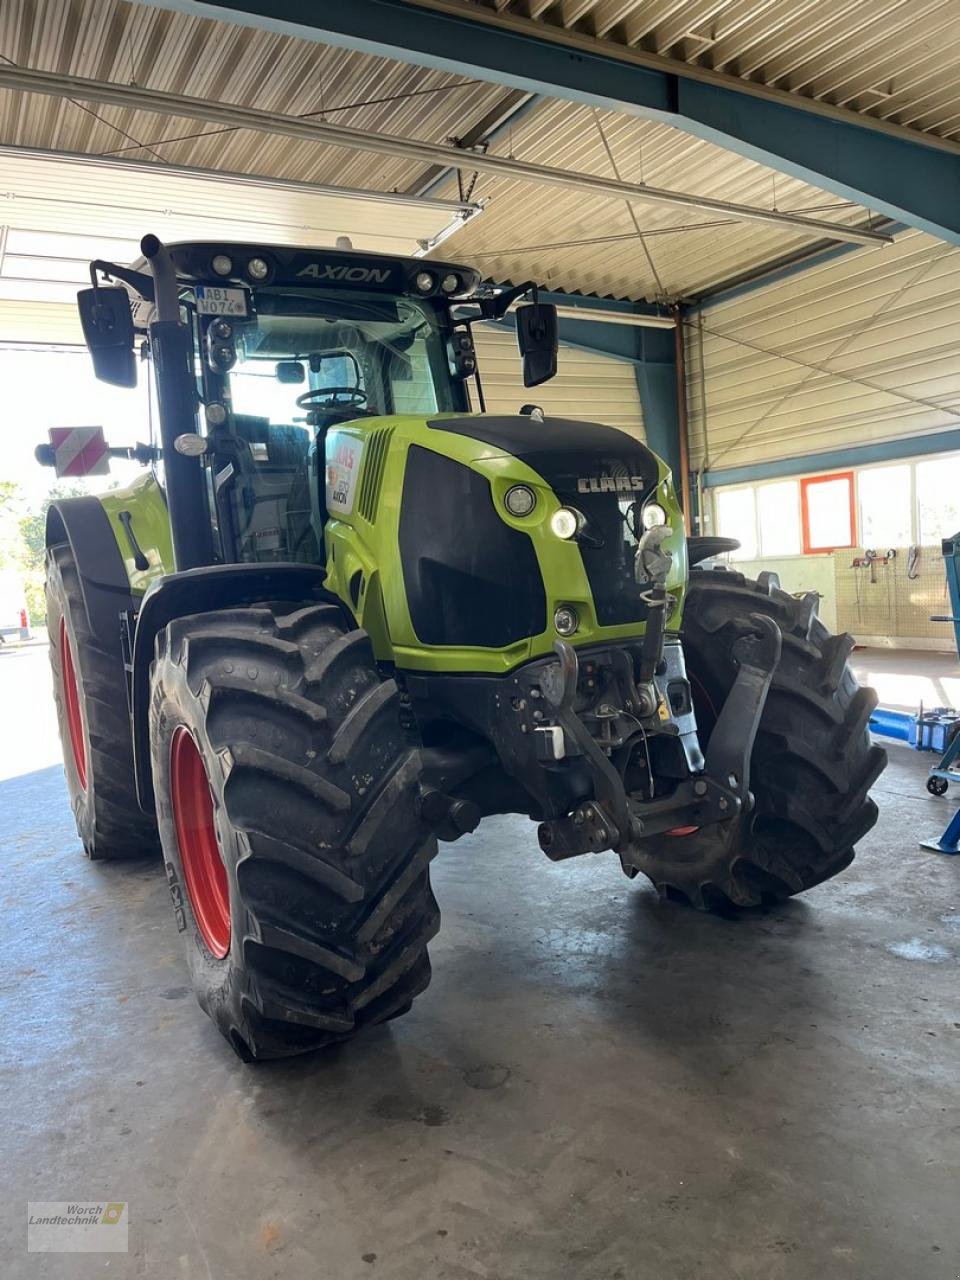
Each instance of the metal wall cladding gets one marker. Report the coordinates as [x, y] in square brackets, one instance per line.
[594, 387]
[895, 60]
[856, 349]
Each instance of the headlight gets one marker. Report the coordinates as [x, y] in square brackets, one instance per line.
[222, 265]
[258, 269]
[223, 357]
[565, 522]
[520, 500]
[450, 283]
[215, 414]
[222, 329]
[190, 445]
[565, 620]
[423, 282]
[652, 515]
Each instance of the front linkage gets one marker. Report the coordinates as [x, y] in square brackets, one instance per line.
[615, 818]
[603, 740]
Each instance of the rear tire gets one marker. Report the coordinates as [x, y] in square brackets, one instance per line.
[89, 687]
[308, 916]
[812, 766]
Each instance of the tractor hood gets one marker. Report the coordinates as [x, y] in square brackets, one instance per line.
[575, 458]
[604, 474]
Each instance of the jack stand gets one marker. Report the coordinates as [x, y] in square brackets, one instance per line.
[949, 842]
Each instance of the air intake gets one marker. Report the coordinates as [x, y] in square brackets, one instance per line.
[368, 500]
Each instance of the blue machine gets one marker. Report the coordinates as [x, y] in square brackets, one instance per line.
[936, 730]
[947, 770]
[950, 547]
[939, 729]
[949, 842]
[923, 730]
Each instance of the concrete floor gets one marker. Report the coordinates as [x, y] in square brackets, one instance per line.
[595, 1085]
[904, 679]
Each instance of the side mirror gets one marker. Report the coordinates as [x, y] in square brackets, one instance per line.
[108, 331]
[291, 371]
[538, 338]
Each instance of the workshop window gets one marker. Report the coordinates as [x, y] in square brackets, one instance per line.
[827, 512]
[938, 499]
[885, 507]
[778, 516]
[737, 518]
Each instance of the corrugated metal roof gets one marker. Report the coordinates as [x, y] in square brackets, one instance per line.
[895, 60]
[683, 252]
[168, 51]
[851, 351]
[153, 48]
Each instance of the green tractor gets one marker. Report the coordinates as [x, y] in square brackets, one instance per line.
[340, 616]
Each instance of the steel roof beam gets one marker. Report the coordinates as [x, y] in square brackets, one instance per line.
[239, 117]
[903, 174]
[513, 107]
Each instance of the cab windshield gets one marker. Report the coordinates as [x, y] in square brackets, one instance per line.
[301, 363]
[347, 355]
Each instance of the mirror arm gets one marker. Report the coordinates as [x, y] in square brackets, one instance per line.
[496, 308]
[137, 280]
[481, 399]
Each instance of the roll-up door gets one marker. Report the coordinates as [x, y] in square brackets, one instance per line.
[39, 323]
[588, 385]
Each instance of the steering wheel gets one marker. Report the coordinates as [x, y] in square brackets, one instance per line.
[332, 399]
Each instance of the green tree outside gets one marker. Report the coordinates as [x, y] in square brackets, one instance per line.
[22, 539]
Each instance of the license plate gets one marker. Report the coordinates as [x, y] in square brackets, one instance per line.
[214, 301]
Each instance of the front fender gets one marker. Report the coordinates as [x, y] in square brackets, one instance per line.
[206, 590]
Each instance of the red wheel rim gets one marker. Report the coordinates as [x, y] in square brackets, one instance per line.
[71, 698]
[203, 869]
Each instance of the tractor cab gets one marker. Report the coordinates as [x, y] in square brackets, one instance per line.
[276, 347]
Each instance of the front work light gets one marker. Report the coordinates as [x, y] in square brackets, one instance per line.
[222, 264]
[565, 620]
[565, 522]
[520, 500]
[653, 515]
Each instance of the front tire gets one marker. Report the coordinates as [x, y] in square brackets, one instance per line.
[287, 793]
[89, 687]
[812, 766]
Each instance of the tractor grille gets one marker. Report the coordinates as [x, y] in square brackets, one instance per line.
[378, 445]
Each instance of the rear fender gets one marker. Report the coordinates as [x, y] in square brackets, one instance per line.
[207, 590]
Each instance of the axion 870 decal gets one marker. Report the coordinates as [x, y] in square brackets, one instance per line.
[342, 468]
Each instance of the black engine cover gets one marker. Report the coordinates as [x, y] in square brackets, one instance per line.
[602, 472]
[470, 579]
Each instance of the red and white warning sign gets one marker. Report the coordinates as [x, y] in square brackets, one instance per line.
[80, 451]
